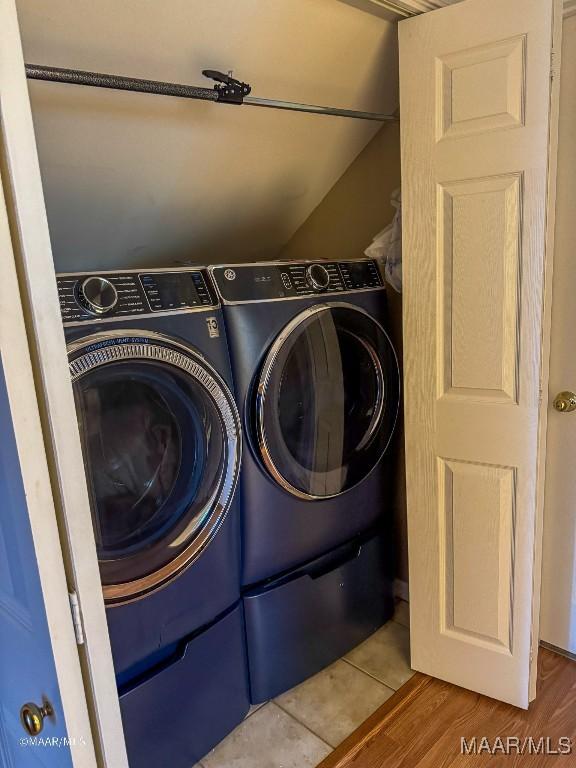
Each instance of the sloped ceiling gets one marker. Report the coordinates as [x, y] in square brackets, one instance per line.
[135, 179]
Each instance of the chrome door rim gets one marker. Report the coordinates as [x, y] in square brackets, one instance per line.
[262, 389]
[117, 346]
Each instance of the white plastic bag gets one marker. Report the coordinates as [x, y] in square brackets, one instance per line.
[386, 247]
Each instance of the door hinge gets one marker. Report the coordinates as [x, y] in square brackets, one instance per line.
[552, 64]
[76, 617]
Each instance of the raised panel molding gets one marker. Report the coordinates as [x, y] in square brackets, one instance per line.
[481, 89]
[477, 520]
[479, 226]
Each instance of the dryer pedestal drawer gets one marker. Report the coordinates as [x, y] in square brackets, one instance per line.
[176, 716]
[301, 623]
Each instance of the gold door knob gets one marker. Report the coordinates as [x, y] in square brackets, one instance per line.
[32, 716]
[565, 402]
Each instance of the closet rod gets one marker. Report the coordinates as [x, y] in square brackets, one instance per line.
[253, 101]
[120, 83]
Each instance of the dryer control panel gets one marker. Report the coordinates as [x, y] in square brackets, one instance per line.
[94, 296]
[277, 280]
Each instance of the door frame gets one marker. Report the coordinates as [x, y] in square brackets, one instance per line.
[561, 10]
[71, 564]
[550, 515]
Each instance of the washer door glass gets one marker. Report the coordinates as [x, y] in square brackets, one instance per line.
[327, 401]
[161, 449]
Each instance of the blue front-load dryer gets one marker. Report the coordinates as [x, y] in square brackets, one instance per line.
[317, 386]
[161, 440]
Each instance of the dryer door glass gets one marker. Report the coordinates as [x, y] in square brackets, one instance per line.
[327, 401]
[161, 443]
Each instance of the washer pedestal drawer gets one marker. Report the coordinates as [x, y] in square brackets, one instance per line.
[177, 715]
[304, 621]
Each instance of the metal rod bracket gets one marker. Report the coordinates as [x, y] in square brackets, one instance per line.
[229, 90]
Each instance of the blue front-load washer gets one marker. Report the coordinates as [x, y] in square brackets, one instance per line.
[161, 440]
[317, 386]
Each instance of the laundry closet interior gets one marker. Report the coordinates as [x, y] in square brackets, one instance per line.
[146, 182]
[222, 183]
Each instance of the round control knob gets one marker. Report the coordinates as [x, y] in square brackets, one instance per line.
[98, 295]
[318, 277]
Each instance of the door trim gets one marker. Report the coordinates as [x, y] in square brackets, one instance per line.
[558, 7]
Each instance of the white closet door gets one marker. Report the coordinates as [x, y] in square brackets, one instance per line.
[475, 83]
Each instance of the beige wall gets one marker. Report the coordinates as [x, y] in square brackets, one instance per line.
[135, 179]
[356, 207]
[344, 223]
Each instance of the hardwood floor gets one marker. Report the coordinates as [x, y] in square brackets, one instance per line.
[421, 726]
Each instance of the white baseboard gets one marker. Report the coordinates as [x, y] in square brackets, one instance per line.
[556, 649]
[401, 590]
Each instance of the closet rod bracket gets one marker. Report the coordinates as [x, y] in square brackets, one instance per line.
[229, 90]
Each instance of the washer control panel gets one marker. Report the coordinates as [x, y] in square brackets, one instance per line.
[93, 296]
[268, 281]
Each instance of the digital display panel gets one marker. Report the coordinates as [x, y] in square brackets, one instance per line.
[176, 290]
[357, 273]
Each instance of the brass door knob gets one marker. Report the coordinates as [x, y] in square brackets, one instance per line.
[32, 716]
[565, 402]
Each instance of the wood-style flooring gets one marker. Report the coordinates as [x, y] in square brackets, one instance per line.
[422, 724]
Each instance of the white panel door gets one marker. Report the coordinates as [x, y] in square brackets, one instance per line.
[475, 106]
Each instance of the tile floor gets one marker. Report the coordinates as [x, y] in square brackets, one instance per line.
[302, 726]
